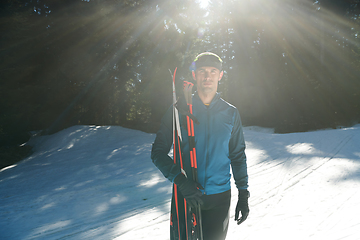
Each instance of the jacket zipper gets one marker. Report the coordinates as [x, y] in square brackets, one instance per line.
[207, 146]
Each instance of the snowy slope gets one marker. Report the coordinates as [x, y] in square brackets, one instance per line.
[89, 182]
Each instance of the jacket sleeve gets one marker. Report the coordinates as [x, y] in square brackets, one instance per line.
[162, 146]
[237, 154]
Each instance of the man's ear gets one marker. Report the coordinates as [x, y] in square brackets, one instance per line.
[193, 74]
[221, 75]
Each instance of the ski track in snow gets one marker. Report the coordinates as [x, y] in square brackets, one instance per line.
[92, 182]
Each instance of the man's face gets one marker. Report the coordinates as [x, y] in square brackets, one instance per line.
[207, 79]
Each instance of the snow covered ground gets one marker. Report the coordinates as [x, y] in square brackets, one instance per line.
[91, 182]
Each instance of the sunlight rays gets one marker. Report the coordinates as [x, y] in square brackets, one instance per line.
[313, 40]
[289, 36]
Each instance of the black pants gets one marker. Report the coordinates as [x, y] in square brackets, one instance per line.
[215, 215]
[214, 212]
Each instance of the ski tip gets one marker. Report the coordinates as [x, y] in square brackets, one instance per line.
[174, 74]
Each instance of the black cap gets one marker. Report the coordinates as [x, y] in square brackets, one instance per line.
[208, 59]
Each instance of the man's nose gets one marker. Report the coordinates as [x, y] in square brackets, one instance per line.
[207, 75]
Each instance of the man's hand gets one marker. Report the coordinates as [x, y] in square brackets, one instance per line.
[242, 206]
[189, 189]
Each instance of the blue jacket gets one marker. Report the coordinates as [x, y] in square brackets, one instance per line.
[219, 142]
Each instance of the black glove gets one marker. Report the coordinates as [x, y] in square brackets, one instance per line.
[189, 189]
[243, 206]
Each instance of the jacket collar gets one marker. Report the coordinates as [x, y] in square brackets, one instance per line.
[213, 102]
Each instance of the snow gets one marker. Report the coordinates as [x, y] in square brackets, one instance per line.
[98, 182]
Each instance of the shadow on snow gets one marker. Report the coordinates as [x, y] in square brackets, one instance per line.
[83, 182]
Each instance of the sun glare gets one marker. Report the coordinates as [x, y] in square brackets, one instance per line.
[203, 3]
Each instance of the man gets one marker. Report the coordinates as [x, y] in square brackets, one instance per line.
[219, 145]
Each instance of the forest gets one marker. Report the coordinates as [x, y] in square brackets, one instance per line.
[291, 65]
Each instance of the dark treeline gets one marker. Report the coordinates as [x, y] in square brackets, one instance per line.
[289, 65]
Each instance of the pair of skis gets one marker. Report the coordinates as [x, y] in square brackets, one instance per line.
[187, 224]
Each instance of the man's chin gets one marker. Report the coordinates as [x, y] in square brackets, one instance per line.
[207, 89]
